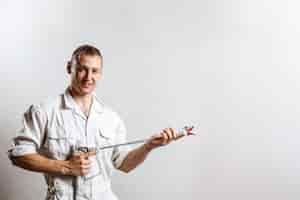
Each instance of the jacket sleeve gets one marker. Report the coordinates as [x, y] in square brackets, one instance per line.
[29, 137]
[119, 153]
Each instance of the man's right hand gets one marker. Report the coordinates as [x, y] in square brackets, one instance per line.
[78, 165]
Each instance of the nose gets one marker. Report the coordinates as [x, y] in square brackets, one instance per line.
[88, 74]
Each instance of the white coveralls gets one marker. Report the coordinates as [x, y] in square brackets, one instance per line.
[54, 128]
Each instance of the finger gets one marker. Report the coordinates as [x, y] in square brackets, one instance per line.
[179, 136]
[91, 153]
[85, 162]
[76, 156]
[86, 155]
[83, 156]
[165, 134]
[173, 134]
[84, 172]
[76, 153]
[154, 139]
[156, 136]
[82, 167]
[168, 134]
[165, 138]
[157, 140]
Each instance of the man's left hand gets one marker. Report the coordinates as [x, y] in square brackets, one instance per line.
[166, 136]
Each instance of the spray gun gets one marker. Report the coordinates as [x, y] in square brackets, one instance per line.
[185, 131]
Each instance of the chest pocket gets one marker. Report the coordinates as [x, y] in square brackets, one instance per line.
[105, 137]
[59, 142]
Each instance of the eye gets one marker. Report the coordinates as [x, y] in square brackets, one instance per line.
[95, 71]
[80, 69]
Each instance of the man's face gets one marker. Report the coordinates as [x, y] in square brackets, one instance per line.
[85, 74]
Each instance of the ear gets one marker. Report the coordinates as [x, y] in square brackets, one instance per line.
[69, 67]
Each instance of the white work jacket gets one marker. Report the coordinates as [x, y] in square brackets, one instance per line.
[55, 128]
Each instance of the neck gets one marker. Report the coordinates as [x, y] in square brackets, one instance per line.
[84, 101]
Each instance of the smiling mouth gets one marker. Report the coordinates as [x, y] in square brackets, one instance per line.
[87, 85]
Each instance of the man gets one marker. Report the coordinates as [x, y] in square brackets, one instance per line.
[54, 131]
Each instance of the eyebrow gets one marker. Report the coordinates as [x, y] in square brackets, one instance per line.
[86, 67]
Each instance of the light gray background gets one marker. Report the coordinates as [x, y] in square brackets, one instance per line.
[229, 67]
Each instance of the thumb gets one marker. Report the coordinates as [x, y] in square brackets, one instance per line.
[179, 136]
[84, 155]
[91, 153]
[156, 136]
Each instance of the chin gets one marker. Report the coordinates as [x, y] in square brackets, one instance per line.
[86, 91]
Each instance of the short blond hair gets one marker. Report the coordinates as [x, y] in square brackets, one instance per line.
[85, 49]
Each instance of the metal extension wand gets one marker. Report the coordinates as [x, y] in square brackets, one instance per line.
[185, 131]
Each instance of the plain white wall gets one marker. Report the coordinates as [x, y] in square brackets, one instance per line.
[230, 68]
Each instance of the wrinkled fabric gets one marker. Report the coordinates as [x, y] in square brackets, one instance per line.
[54, 128]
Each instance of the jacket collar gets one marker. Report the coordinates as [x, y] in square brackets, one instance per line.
[69, 103]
